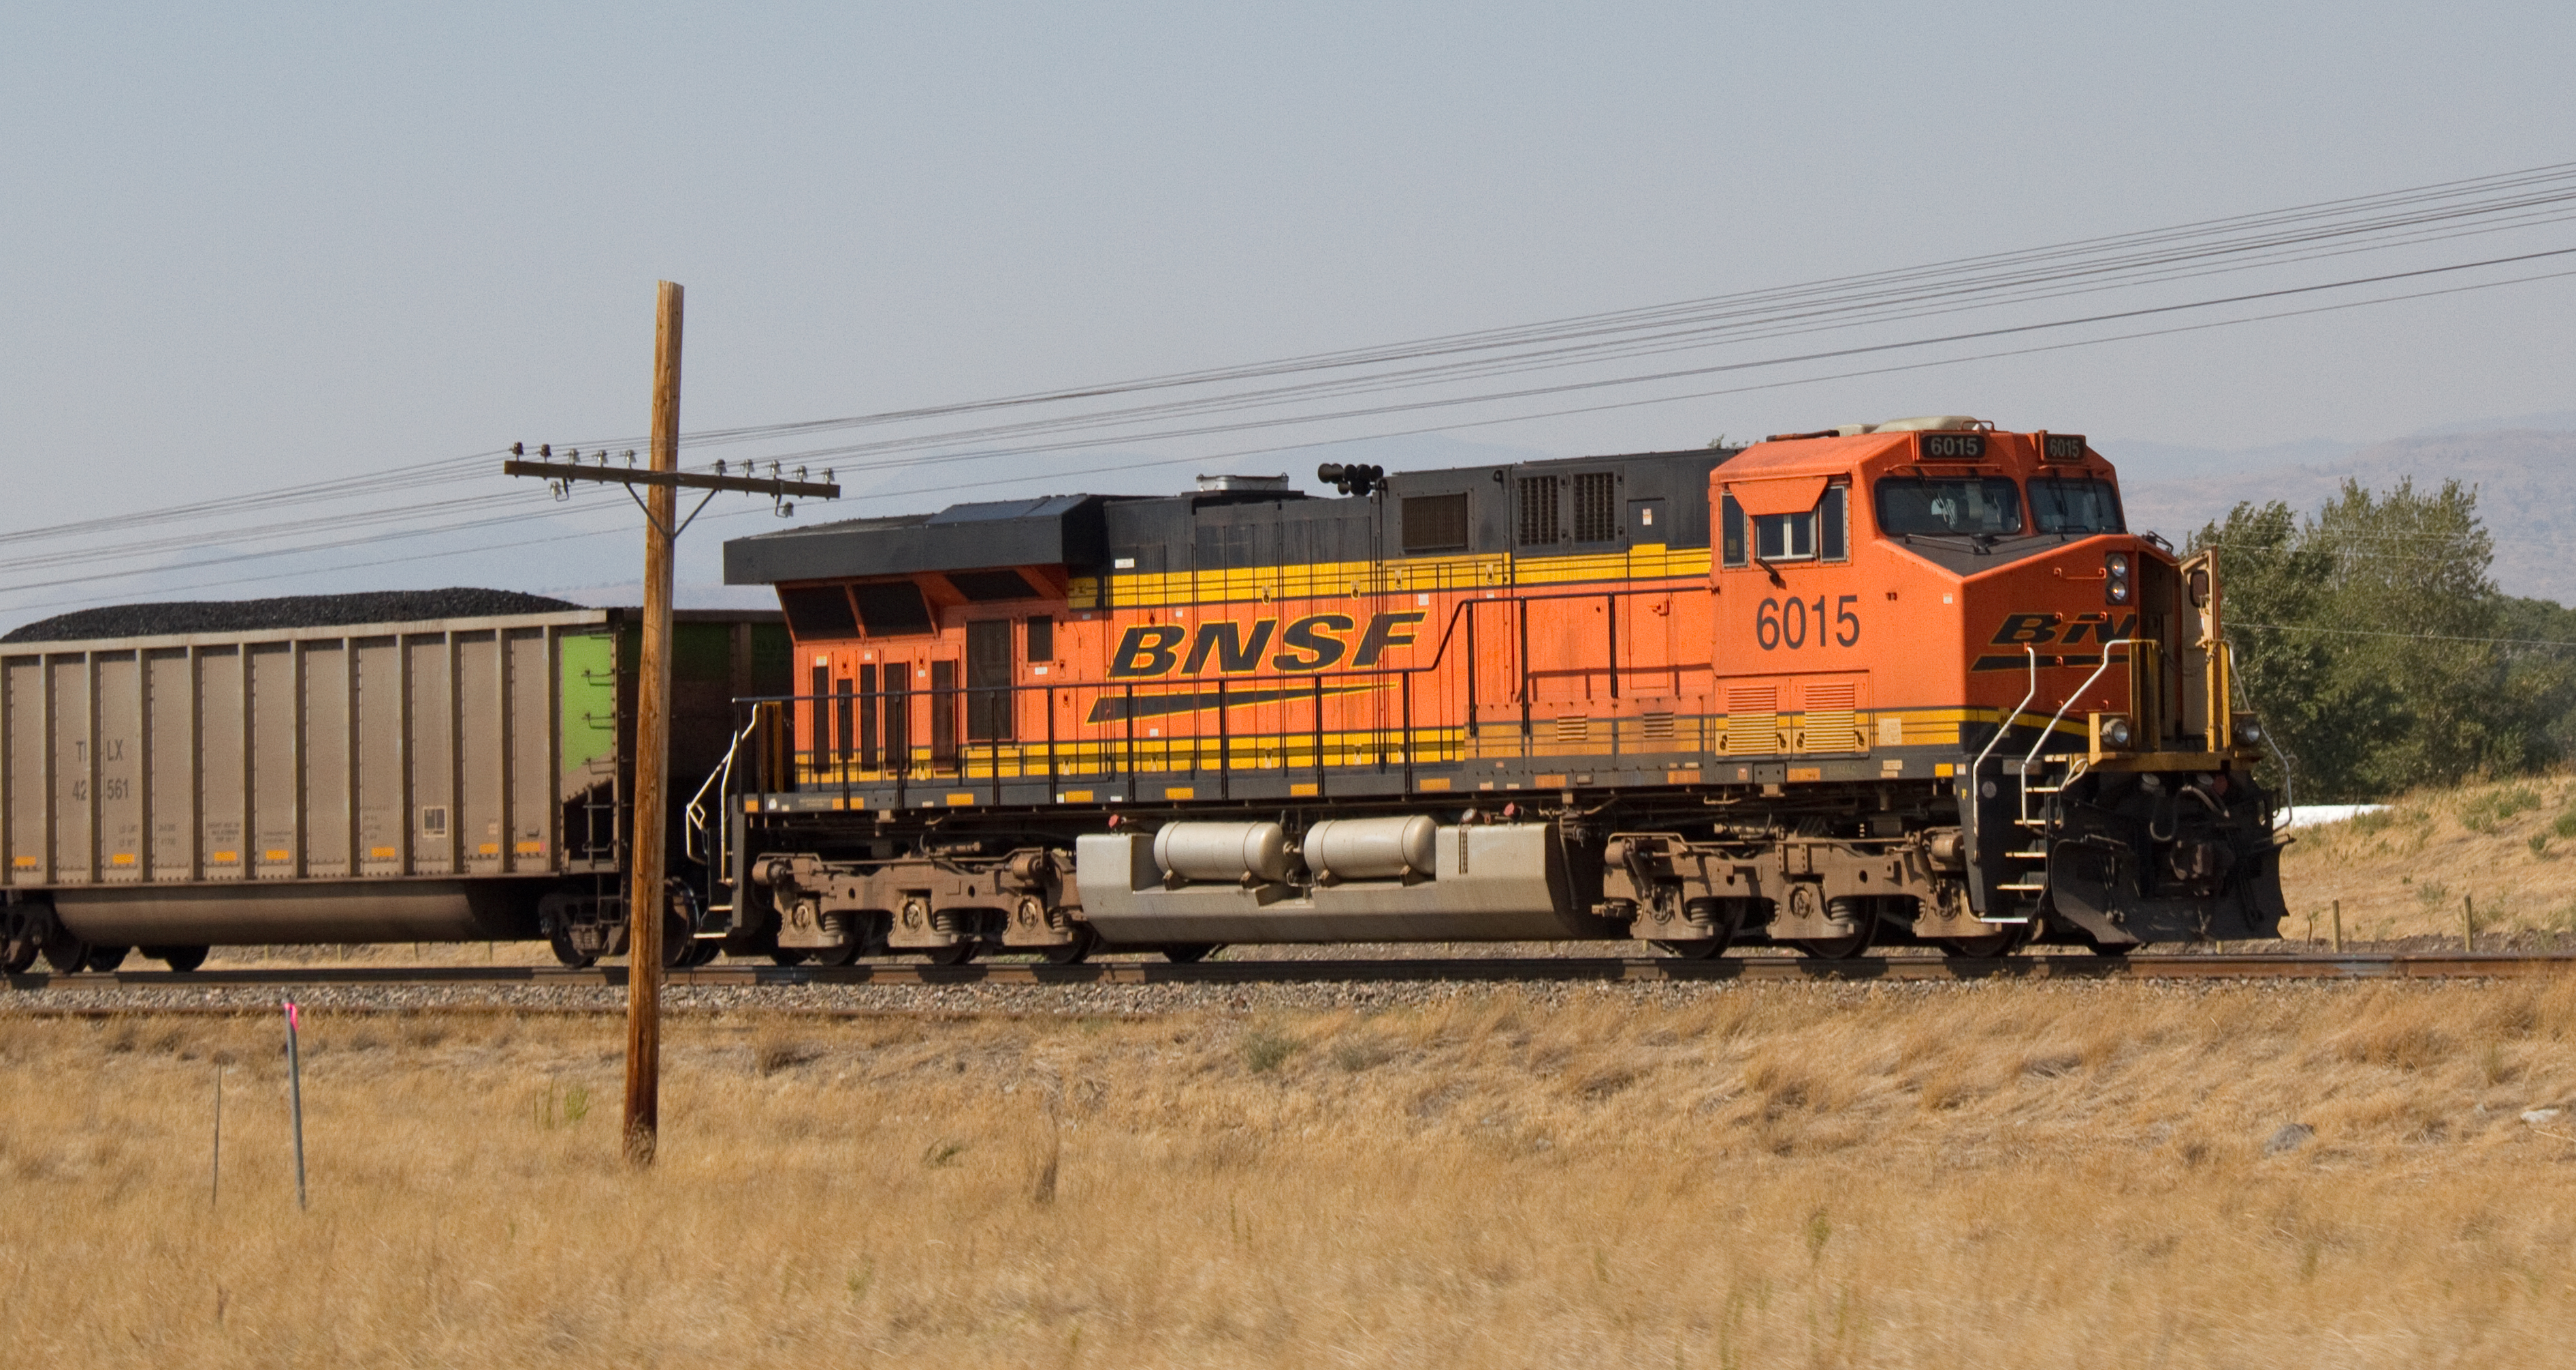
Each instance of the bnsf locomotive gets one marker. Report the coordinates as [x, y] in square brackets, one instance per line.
[1911, 683]
[1902, 684]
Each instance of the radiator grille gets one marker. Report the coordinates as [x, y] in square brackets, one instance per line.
[1538, 502]
[1831, 723]
[1596, 507]
[1752, 720]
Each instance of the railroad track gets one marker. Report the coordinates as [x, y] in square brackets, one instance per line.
[1495, 970]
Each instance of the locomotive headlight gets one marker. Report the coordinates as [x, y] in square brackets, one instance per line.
[2112, 733]
[2249, 731]
[2115, 578]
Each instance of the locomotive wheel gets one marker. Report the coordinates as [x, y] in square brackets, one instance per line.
[789, 956]
[1986, 948]
[1725, 917]
[105, 959]
[839, 956]
[955, 953]
[1077, 951]
[180, 959]
[17, 954]
[1190, 953]
[1846, 947]
[567, 953]
[702, 951]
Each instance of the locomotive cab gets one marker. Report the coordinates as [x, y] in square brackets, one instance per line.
[1970, 603]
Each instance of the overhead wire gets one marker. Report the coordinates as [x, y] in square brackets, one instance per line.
[2557, 174]
[2410, 217]
[952, 485]
[1572, 387]
[2537, 187]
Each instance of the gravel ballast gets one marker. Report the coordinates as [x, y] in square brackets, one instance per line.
[1094, 1000]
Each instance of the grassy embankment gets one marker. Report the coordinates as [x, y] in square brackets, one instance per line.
[1985, 1175]
[2401, 873]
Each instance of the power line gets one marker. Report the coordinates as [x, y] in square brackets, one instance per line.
[2413, 637]
[2530, 186]
[1862, 373]
[2408, 217]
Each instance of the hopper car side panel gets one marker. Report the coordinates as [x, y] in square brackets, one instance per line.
[414, 782]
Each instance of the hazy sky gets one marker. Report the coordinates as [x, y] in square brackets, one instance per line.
[248, 243]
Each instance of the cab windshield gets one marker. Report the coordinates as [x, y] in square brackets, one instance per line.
[2075, 506]
[1970, 505]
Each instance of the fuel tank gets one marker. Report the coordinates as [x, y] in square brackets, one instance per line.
[1486, 882]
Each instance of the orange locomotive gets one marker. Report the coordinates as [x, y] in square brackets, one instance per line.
[1896, 683]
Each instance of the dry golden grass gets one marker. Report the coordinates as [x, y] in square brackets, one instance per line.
[1989, 1175]
[2401, 873]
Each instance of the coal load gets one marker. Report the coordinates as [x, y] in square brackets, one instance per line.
[289, 611]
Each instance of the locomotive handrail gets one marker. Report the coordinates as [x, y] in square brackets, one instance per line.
[697, 809]
[1000, 701]
[1440, 653]
[2051, 730]
[2004, 724]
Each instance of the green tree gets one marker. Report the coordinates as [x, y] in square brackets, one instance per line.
[2367, 637]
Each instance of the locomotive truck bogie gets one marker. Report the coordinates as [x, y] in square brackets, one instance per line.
[1021, 899]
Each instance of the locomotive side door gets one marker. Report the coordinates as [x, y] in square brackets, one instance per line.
[1790, 638]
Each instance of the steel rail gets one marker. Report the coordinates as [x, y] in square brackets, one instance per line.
[1477, 970]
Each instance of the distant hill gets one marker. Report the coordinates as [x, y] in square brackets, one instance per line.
[2525, 478]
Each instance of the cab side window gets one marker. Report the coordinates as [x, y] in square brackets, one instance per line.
[1819, 534]
[1730, 525]
[1785, 537]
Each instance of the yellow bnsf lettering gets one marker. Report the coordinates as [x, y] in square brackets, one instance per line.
[1145, 651]
[1314, 637]
[1225, 638]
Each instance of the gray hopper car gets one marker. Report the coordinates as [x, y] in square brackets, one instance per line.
[457, 779]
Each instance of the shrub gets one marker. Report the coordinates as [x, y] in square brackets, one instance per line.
[1265, 1050]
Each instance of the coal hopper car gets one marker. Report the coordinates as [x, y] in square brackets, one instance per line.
[1906, 683]
[348, 769]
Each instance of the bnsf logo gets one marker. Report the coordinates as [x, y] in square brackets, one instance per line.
[2036, 629]
[1316, 642]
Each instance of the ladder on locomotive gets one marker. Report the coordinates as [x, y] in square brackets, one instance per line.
[2043, 825]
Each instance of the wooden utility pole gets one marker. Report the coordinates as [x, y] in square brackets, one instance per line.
[648, 901]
